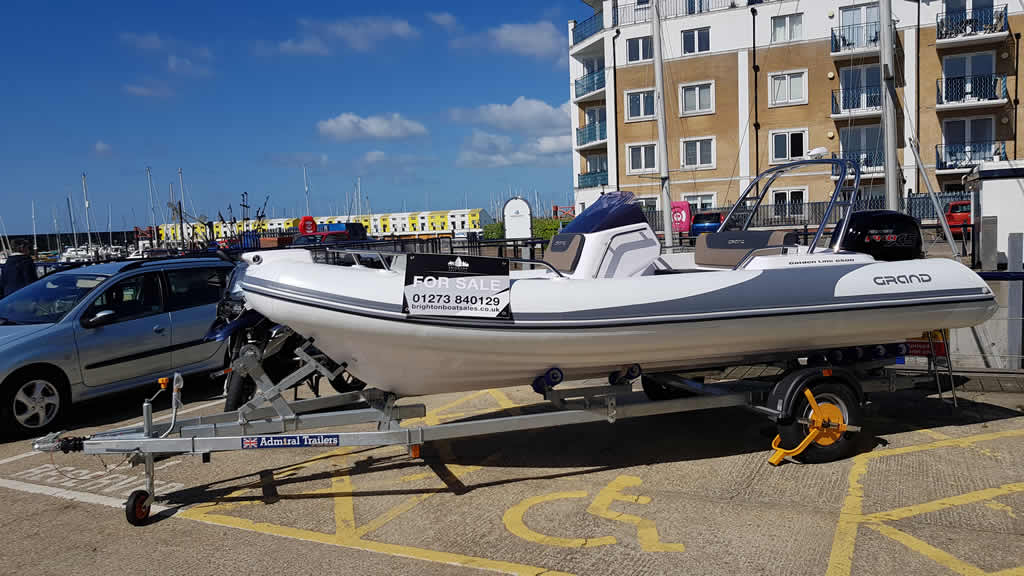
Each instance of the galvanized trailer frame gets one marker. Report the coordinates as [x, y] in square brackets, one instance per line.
[268, 420]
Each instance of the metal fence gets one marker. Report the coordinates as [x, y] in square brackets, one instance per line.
[968, 22]
[590, 83]
[856, 37]
[978, 88]
[588, 28]
[638, 12]
[857, 99]
[593, 132]
[966, 155]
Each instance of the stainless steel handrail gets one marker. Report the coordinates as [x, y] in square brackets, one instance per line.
[773, 173]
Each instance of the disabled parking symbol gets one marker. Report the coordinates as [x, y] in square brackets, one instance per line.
[600, 506]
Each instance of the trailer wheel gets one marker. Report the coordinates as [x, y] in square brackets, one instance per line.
[239, 390]
[823, 450]
[136, 509]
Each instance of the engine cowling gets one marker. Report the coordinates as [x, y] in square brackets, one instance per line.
[886, 235]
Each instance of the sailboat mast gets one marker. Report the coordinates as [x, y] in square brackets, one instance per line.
[152, 210]
[88, 224]
[110, 233]
[893, 180]
[305, 185]
[659, 110]
[181, 203]
[71, 219]
[35, 245]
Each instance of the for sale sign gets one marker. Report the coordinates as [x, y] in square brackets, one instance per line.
[453, 285]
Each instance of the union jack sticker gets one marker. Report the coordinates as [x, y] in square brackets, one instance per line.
[250, 443]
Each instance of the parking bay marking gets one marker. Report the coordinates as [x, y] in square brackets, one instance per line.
[852, 516]
[646, 530]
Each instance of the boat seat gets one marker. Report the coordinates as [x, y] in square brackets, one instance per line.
[727, 249]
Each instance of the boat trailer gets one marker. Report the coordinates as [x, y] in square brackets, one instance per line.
[270, 421]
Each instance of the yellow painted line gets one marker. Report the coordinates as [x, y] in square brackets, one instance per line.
[503, 400]
[1000, 507]
[408, 504]
[1018, 571]
[434, 416]
[840, 561]
[514, 523]
[943, 503]
[938, 556]
[369, 545]
[934, 434]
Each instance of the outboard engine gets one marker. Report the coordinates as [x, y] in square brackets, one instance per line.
[886, 235]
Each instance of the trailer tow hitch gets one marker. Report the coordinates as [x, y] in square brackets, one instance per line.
[825, 426]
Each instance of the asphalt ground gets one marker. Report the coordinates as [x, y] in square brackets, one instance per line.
[932, 491]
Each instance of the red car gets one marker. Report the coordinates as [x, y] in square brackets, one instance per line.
[958, 213]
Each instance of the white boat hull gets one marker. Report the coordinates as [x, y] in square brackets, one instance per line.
[589, 328]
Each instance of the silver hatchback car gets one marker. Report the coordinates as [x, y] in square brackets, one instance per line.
[95, 330]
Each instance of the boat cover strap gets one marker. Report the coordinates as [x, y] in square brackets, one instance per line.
[727, 249]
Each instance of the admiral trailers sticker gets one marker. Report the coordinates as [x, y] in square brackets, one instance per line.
[453, 285]
[292, 441]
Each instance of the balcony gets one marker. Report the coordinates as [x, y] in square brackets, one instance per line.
[967, 27]
[590, 84]
[962, 156]
[870, 160]
[856, 39]
[591, 134]
[593, 179]
[587, 28]
[863, 102]
[640, 12]
[961, 92]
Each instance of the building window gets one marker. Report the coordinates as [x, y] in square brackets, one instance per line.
[697, 98]
[695, 41]
[647, 204]
[788, 145]
[787, 28]
[642, 158]
[700, 202]
[788, 88]
[639, 105]
[788, 202]
[639, 49]
[697, 153]
[863, 144]
[597, 163]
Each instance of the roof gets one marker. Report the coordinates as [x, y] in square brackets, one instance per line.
[111, 268]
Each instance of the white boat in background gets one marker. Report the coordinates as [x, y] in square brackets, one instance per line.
[606, 298]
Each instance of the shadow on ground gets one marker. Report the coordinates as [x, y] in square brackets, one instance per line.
[582, 449]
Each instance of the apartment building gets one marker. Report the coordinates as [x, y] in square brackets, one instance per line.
[745, 91]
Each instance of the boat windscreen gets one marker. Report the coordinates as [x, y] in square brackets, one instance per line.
[611, 210]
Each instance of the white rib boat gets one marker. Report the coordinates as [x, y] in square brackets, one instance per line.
[606, 299]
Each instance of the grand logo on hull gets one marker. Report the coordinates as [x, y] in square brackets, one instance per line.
[903, 279]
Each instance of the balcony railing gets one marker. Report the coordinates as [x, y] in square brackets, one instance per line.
[593, 179]
[870, 160]
[962, 23]
[590, 83]
[857, 99]
[593, 132]
[856, 37]
[966, 155]
[587, 28]
[963, 89]
[638, 12]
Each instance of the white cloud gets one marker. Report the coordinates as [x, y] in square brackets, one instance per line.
[374, 157]
[142, 41]
[348, 126]
[445, 20]
[102, 147]
[146, 89]
[497, 150]
[185, 66]
[523, 115]
[541, 40]
[308, 45]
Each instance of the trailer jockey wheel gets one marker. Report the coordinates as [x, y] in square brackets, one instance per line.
[136, 509]
[833, 425]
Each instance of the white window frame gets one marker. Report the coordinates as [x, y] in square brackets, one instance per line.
[641, 49]
[698, 166]
[789, 158]
[699, 112]
[686, 198]
[696, 41]
[967, 121]
[650, 170]
[644, 202]
[625, 106]
[789, 28]
[803, 190]
[789, 101]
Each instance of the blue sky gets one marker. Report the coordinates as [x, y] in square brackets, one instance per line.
[448, 99]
